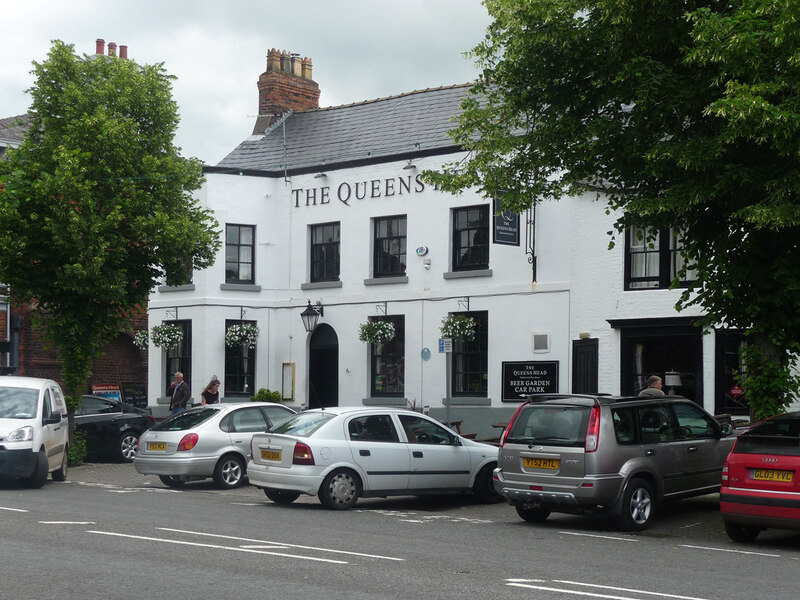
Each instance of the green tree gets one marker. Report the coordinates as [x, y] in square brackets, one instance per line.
[96, 203]
[681, 114]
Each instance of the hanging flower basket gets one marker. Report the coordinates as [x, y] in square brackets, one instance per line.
[458, 327]
[245, 335]
[141, 339]
[166, 336]
[376, 332]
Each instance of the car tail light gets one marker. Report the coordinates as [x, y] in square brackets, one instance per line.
[593, 429]
[725, 473]
[188, 442]
[302, 455]
[511, 424]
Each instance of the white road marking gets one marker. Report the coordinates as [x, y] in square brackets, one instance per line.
[691, 525]
[729, 550]
[247, 503]
[266, 547]
[529, 583]
[217, 547]
[241, 539]
[12, 509]
[67, 522]
[604, 537]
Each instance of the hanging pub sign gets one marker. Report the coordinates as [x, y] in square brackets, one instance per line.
[529, 377]
[506, 225]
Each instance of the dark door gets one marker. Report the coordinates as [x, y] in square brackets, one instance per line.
[323, 367]
[584, 366]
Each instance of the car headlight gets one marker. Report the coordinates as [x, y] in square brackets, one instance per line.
[23, 434]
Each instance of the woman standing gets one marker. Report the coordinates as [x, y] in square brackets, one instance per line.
[210, 394]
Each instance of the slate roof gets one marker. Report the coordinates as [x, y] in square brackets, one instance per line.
[11, 131]
[393, 128]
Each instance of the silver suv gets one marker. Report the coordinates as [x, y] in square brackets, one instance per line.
[606, 455]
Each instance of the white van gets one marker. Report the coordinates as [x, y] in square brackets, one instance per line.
[34, 431]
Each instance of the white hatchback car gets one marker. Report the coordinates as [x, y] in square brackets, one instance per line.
[34, 431]
[341, 454]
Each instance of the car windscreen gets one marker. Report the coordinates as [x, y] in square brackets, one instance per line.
[550, 425]
[779, 435]
[185, 420]
[18, 403]
[302, 424]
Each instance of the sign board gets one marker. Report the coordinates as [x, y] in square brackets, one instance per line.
[108, 390]
[445, 345]
[506, 225]
[134, 393]
[529, 377]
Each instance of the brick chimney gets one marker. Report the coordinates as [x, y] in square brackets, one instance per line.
[285, 85]
[100, 44]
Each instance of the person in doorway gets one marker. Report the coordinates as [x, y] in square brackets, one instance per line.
[210, 395]
[179, 392]
[653, 388]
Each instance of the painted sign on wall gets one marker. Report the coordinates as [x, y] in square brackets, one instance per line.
[529, 377]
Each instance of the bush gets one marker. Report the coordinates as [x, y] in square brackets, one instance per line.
[265, 395]
[77, 449]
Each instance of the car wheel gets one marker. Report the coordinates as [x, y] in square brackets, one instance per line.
[126, 446]
[60, 474]
[532, 514]
[483, 488]
[741, 533]
[39, 476]
[229, 472]
[340, 489]
[172, 481]
[638, 505]
[281, 496]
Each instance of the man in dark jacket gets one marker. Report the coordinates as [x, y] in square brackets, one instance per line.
[179, 392]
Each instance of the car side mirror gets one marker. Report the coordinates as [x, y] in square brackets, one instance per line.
[53, 419]
[455, 441]
[726, 428]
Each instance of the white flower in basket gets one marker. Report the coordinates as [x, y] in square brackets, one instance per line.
[166, 336]
[245, 335]
[141, 339]
[376, 332]
[458, 327]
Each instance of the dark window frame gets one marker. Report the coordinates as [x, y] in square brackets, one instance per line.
[470, 360]
[179, 359]
[383, 357]
[389, 246]
[325, 256]
[234, 245]
[665, 246]
[239, 379]
[470, 241]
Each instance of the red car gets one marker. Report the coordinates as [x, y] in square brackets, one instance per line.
[761, 479]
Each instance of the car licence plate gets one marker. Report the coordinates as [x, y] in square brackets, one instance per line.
[156, 446]
[772, 475]
[271, 455]
[540, 463]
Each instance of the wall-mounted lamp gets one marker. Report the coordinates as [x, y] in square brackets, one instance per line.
[410, 165]
[310, 316]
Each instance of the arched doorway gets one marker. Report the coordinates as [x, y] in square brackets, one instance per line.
[323, 367]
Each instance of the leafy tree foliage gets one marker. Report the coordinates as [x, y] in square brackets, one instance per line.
[682, 114]
[96, 203]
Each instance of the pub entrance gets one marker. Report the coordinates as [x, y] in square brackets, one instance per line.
[323, 367]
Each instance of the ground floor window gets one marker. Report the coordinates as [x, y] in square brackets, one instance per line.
[387, 361]
[240, 366]
[471, 359]
[729, 397]
[179, 359]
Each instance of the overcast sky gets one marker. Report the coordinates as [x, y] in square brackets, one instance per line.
[360, 49]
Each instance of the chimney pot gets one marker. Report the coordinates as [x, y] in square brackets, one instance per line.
[100, 46]
[285, 85]
[112, 48]
[307, 68]
[123, 51]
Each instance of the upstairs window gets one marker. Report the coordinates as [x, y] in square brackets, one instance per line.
[653, 259]
[389, 248]
[240, 254]
[325, 252]
[471, 238]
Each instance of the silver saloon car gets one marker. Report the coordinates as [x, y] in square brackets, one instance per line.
[206, 441]
[342, 454]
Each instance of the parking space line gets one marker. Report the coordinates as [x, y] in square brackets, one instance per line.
[534, 584]
[12, 509]
[268, 542]
[729, 550]
[604, 537]
[635, 591]
[217, 547]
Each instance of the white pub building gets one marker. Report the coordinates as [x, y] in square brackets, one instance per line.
[322, 211]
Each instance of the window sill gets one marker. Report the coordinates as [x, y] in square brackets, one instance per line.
[385, 280]
[240, 287]
[467, 401]
[465, 274]
[384, 401]
[189, 287]
[319, 285]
